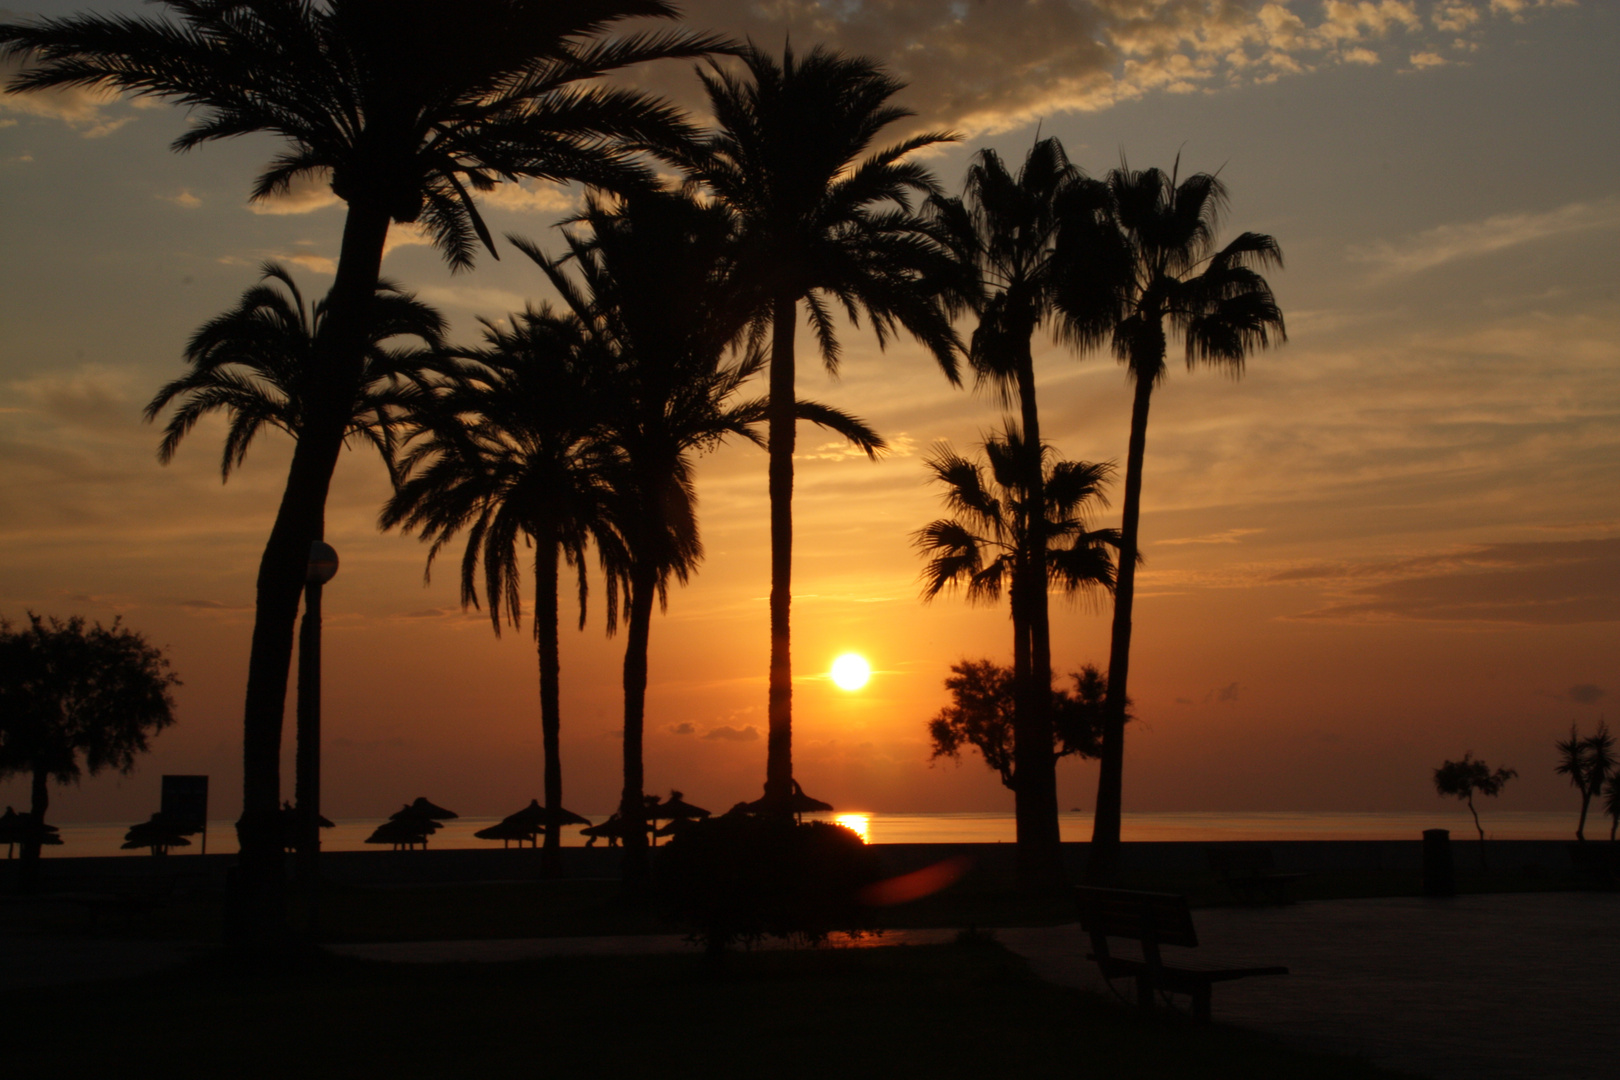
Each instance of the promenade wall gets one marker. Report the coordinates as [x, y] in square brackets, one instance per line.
[452, 866]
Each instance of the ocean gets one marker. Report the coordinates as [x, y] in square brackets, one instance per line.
[980, 828]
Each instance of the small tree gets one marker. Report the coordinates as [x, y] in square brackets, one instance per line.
[75, 699]
[1463, 778]
[982, 709]
[1589, 764]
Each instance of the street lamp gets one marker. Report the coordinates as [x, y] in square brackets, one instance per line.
[323, 565]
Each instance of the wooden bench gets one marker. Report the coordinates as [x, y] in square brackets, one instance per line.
[1154, 919]
[1252, 875]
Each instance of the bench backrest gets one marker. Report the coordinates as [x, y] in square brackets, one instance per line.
[1149, 917]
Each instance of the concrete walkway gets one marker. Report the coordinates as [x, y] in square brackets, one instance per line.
[1510, 987]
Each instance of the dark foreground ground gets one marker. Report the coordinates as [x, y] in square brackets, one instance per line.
[1516, 978]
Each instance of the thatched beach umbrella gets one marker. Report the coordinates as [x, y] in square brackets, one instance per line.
[799, 804]
[508, 830]
[156, 833]
[14, 830]
[675, 810]
[422, 808]
[614, 829]
[290, 825]
[404, 831]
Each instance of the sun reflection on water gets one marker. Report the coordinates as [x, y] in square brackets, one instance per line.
[856, 823]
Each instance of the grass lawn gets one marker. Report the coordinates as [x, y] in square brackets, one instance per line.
[969, 1010]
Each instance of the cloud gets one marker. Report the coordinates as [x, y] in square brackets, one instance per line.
[728, 733]
[83, 109]
[980, 67]
[1446, 243]
[1542, 584]
[1421, 60]
[1585, 693]
[1229, 536]
[1229, 692]
[535, 197]
[307, 193]
[184, 199]
[683, 728]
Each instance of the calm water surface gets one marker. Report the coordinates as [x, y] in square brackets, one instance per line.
[983, 828]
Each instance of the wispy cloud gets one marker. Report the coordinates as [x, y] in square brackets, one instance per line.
[307, 193]
[1544, 584]
[1447, 243]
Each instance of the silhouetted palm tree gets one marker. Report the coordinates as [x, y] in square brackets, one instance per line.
[1588, 763]
[656, 292]
[987, 548]
[258, 363]
[408, 107]
[1006, 227]
[515, 451]
[1149, 272]
[823, 225]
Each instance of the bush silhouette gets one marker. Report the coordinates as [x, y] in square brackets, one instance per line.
[736, 878]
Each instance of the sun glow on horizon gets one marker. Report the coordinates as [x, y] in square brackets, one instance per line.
[850, 671]
[859, 824]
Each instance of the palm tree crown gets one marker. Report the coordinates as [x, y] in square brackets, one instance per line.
[257, 363]
[984, 548]
[412, 105]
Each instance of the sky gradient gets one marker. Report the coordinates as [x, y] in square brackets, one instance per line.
[1394, 540]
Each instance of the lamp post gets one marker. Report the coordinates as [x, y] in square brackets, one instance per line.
[323, 565]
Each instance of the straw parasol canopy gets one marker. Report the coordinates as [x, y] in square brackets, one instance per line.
[614, 829]
[14, 830]
[290, 825]
[404, 831]
[423, 808]
[508, 830]
[798, 804]
[156, 833]
[676, 808]
[536, 814]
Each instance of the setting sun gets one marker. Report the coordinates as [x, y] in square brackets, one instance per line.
[851, 671]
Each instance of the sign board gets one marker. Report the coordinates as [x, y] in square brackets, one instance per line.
[185, 803]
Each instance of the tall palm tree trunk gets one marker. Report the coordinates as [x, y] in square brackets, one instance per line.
[257, 912]
[781, 434]
[632, 803]
[39, 801]
[545, 632]
[1103, 864]
[1039, 838]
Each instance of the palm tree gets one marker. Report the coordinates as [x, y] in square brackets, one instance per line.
[656, 294]
[823, 225]
[409, 108]
[1006, 227]
[258, 363]
[988, 548]
[1588, 763]
[1134, 278]
[514, 450]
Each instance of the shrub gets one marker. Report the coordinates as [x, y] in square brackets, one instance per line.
[738, 878]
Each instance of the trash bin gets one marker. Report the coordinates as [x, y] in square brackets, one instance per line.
[1438, 876]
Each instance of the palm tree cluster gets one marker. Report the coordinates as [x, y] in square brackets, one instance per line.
[1590, 765]
[574, 428]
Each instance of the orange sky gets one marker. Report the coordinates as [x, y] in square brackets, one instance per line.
[1395, 540]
